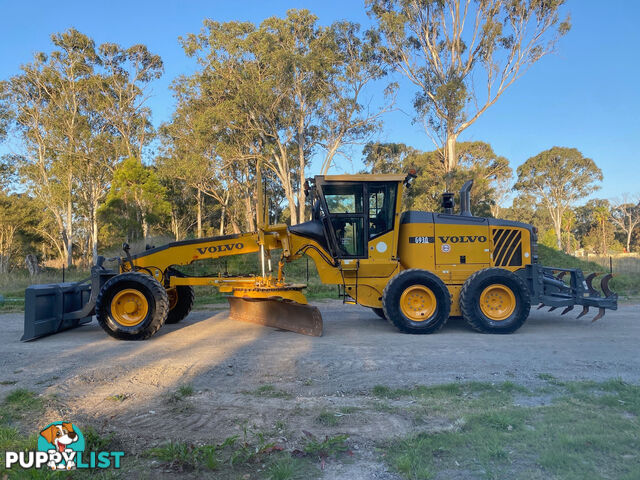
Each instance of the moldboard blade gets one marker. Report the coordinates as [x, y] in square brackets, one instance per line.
[291, 316]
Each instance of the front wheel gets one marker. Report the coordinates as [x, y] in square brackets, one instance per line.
[132, 306]
[416, 301]
[495, 300]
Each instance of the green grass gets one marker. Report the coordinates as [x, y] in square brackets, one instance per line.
[327, 419]
[591, 430]
[268, 391]
[329, 447]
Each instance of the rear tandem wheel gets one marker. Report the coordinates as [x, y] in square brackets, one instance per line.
[495, 300]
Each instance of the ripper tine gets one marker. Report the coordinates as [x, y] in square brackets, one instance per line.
[541, 306]
[567, 310]
[599, 315]
[584, 311]
[589, 279]
[604, 285]
[552, 309]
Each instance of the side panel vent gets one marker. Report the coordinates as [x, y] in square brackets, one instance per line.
[507, 247]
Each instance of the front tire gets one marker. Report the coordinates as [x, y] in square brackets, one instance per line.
[416, 301]
[495, 300]
[379, 312]
[132, 306]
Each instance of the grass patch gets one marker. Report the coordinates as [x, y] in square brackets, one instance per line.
[327, 419]
[268, 391]
[329, 447]
[591, 430]
[118, 397]
[19, 404]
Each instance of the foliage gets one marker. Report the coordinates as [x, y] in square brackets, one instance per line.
[428, 43]
[77, 111]
[557, 178]
[136, 188]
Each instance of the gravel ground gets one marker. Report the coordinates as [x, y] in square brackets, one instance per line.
[226, 362]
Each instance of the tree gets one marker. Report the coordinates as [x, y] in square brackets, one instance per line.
[17, 215]
[478, 162]
[286, 90]
[557, 178]
[625, 214]
[137, 185]
[386, 157]
[426, 40]
[48, 103]
[122, 94]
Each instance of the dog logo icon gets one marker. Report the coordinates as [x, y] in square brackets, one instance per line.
[62, 440]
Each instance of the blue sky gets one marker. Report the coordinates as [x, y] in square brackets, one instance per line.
[584, 96]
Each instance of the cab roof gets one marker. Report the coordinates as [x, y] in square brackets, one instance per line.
[364, 177]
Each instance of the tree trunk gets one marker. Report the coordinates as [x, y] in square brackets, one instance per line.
[94, 232]
[69, 231]
[174, 225]
[199, 219]
[145, 227]
[251, 214]
[301, 165]
[450, 158]
[222, 214]
[557, 226]
[629, 240]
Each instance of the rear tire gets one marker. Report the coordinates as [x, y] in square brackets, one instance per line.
[132, 306]
[183, 303]
[495, 300]
[416, 301]
[379, 312]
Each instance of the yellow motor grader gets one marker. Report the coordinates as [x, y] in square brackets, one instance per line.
[413, 268]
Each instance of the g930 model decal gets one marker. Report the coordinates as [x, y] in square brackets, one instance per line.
[422, 239]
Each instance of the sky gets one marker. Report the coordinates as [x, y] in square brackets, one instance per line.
[584, 96]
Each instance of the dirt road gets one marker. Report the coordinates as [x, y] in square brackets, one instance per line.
[248, 374]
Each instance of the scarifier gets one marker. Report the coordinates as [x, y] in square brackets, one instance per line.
[414, 268]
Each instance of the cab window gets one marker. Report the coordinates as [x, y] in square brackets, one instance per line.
[344, 198]
[382, 203]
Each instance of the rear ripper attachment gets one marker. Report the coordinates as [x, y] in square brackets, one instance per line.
[551, 290]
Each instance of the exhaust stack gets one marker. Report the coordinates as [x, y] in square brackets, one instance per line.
[465, 199]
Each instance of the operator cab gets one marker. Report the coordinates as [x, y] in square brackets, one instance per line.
[349, 211]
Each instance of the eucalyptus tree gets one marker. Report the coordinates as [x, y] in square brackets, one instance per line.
[50, 115]
[123, 92]
[462, 55]
[625, 214]
[558, 178]
[289, 88]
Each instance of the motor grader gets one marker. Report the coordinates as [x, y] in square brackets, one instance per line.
[413, 268]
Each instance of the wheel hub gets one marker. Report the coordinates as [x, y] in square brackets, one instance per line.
[418, 303]
[497, 302]
[129, 307]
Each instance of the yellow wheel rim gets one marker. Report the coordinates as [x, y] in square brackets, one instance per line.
[418, 303]
[129, 307]
[497, 302]
[172, 293]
